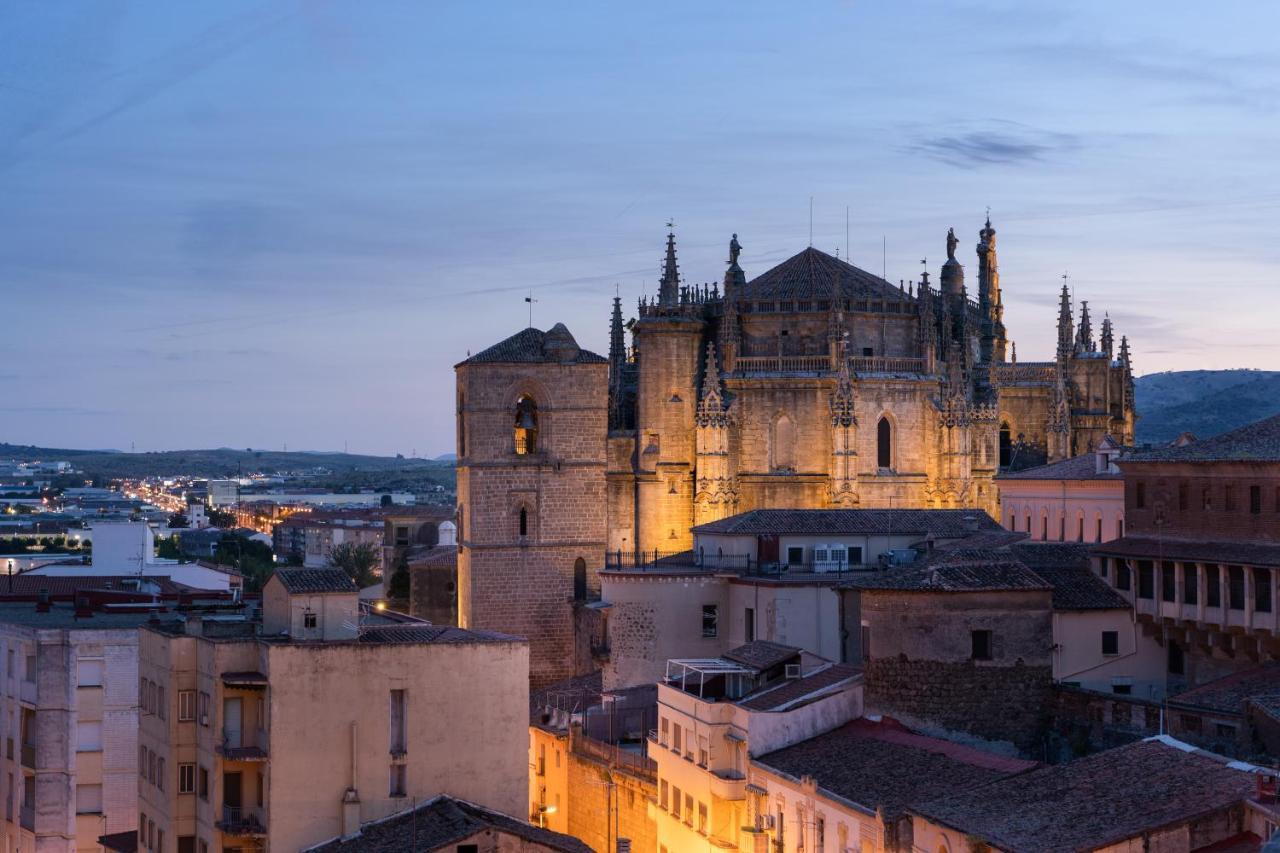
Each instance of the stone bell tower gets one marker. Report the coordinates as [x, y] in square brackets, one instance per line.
[532, 419]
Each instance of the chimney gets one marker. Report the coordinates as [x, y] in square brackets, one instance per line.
[42, 601]
[84, 610]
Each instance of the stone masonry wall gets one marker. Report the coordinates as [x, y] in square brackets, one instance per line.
[599, 814]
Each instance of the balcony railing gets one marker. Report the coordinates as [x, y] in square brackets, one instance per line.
[691, 561]
[246, 746]
[886, 364]
[782, 364]
[242, 821]
[615, 755]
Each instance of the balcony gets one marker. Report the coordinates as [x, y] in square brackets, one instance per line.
[29, 756]
[243, 746]
[243, 822]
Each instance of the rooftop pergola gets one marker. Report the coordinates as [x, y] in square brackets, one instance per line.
[681, 671]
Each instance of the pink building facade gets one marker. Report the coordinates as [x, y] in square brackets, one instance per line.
[1080, 499]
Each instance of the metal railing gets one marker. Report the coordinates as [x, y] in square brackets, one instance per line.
[690, 561]
[242, 820]
[615, 755]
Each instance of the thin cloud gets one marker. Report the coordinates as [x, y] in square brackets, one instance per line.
[1008, 144]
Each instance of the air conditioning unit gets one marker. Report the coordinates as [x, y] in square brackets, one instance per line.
[204, 719]
[764, 822]
[793, 670]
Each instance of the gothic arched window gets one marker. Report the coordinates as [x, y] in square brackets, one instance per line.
[579, 579]
[784, 444]
[1006, 445]
[526, 425]
[524, 521]
[884, 443]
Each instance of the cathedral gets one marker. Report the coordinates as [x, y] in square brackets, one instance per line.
[814, 384]
[817, 384]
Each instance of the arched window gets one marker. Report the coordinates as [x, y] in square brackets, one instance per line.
[524, 521]
[579, 579]
[784, 444]
[884, 443]
[1006, 445]
[526, 427]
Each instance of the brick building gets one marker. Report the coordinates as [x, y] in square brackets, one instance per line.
[532, 414]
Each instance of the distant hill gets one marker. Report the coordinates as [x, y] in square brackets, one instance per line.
[1204, 402]
[226, 462]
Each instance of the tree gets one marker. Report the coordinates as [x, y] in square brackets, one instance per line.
[357, 559]
[253, 558]
[167, 548]
[386, 500]
[220, 518]
[398, 587]
[178, 520]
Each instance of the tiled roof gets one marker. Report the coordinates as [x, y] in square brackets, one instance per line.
[943, 523]
[1095, 801]
[793, 691]
[315, 580]
[1064, 566]
[430, 634]
[761, 654]
[534, 346]
[439, 555]
[1076, 588]
[810, 274]
[1083, 467]
[1170, 548]
[1260, 685]
[1256, 442]
[27, 584]
[882, 765]
[442, 823]
[984, 571]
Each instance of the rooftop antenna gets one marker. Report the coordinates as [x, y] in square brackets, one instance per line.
[884, 256]
[529, 299]
[811, 222]
[848, 257]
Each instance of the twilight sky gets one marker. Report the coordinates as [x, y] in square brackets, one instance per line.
[264, 223]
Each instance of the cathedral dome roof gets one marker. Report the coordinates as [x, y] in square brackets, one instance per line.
[531, 346]
[809, 275]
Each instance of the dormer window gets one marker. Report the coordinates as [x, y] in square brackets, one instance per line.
[526, 426]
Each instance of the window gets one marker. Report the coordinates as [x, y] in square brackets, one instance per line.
[981, 645]
[662, 794]
[675, 801]
[1224, 730]
[1139, 495]
[884, 444]
[202, 787]
[702, 818]
[89, 737]
[1080, 528]
[749, 624]
[151, 767]
[397, 787]
[204, 708]
[160, 840]
[1146, 579]
[1255, 499]
[1168, 583]
[854, 555]
[402, 535]
[186, 844]
[710, 615]
[1235, 586]
[1262, 590]
[1213, 586]
[795, 555]
[526, 426]
[1006, 445]
[688, 809]
[1119, 527]
[89, 672]
[1183, 496]
[704, 751]
[675, 739]
[186, 778]
[1123, 575]
[1206, 500]
[1229, 498]
[186, 705]
[309, 619]
[88, 799]
[160, 773]
[1097, 534]
[1122, 686]
[161, 711]
[1111, 642]
[142, 761]
[580, 579]
[396, 735]
[524, 522]
[1044, 527]
[1176, 659]
[1190, 588]
[662, 731]
[29, 675]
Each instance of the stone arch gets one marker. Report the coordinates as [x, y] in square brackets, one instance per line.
[580, 579]
[783, 443]
[525, 429]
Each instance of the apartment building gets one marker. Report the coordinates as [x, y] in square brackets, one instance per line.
[68, 725]
[1080, 499]
[300, 729]
[714, 714]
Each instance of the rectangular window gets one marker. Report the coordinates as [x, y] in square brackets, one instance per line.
[710, 615]
[1206, 500]
[675, 801]
[1140, 495]
[1146, 579]
[1111, 642]
[1235, 586]
[186, 844]
[795, 555]
[749, 624]
[160, 773]
[29, 675]
[1184, 496]
[1097, 534]
[1229, 498]
[397, 780]
[309, 617]
[675, 739]
[88, 799]
[89, 737]
[662, 730]
[396, 735]
[204, 708]
[1262, 590]
[1080, 529]
[981, 645]
[186, 705]
[662, 794]
[161, 710]
[702, 818]
[89, 672]
[186, 778]
[1122, 686]
[1255, 500]
[142, 761]
[688, 809]
[1224, 730]
[202, 783]
[1213, 586]
[853, 554]
[1168, 582]
[1190, 589]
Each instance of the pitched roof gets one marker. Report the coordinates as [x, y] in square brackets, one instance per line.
[797, 691]
[315, 580]
[810, 274]
[944, 523]
[534, 346]
[424, 633]
[966, 571]
[1082, 467]
[1095, 801]
[1064, 566]
[883, 765]
[27, 584]
[1190, 550]
[1260, 685]
[1256, 442]
[761, 654]
[441, 823]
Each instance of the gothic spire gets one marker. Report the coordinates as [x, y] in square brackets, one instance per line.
[1066, 336]
[669, 287]
[1124, 354]
[993, 340]
[617, 336]
[1084, 342]
[1108, 341]
[711, 409]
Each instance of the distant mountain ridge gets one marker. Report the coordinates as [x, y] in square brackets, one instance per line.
[1203, 402]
